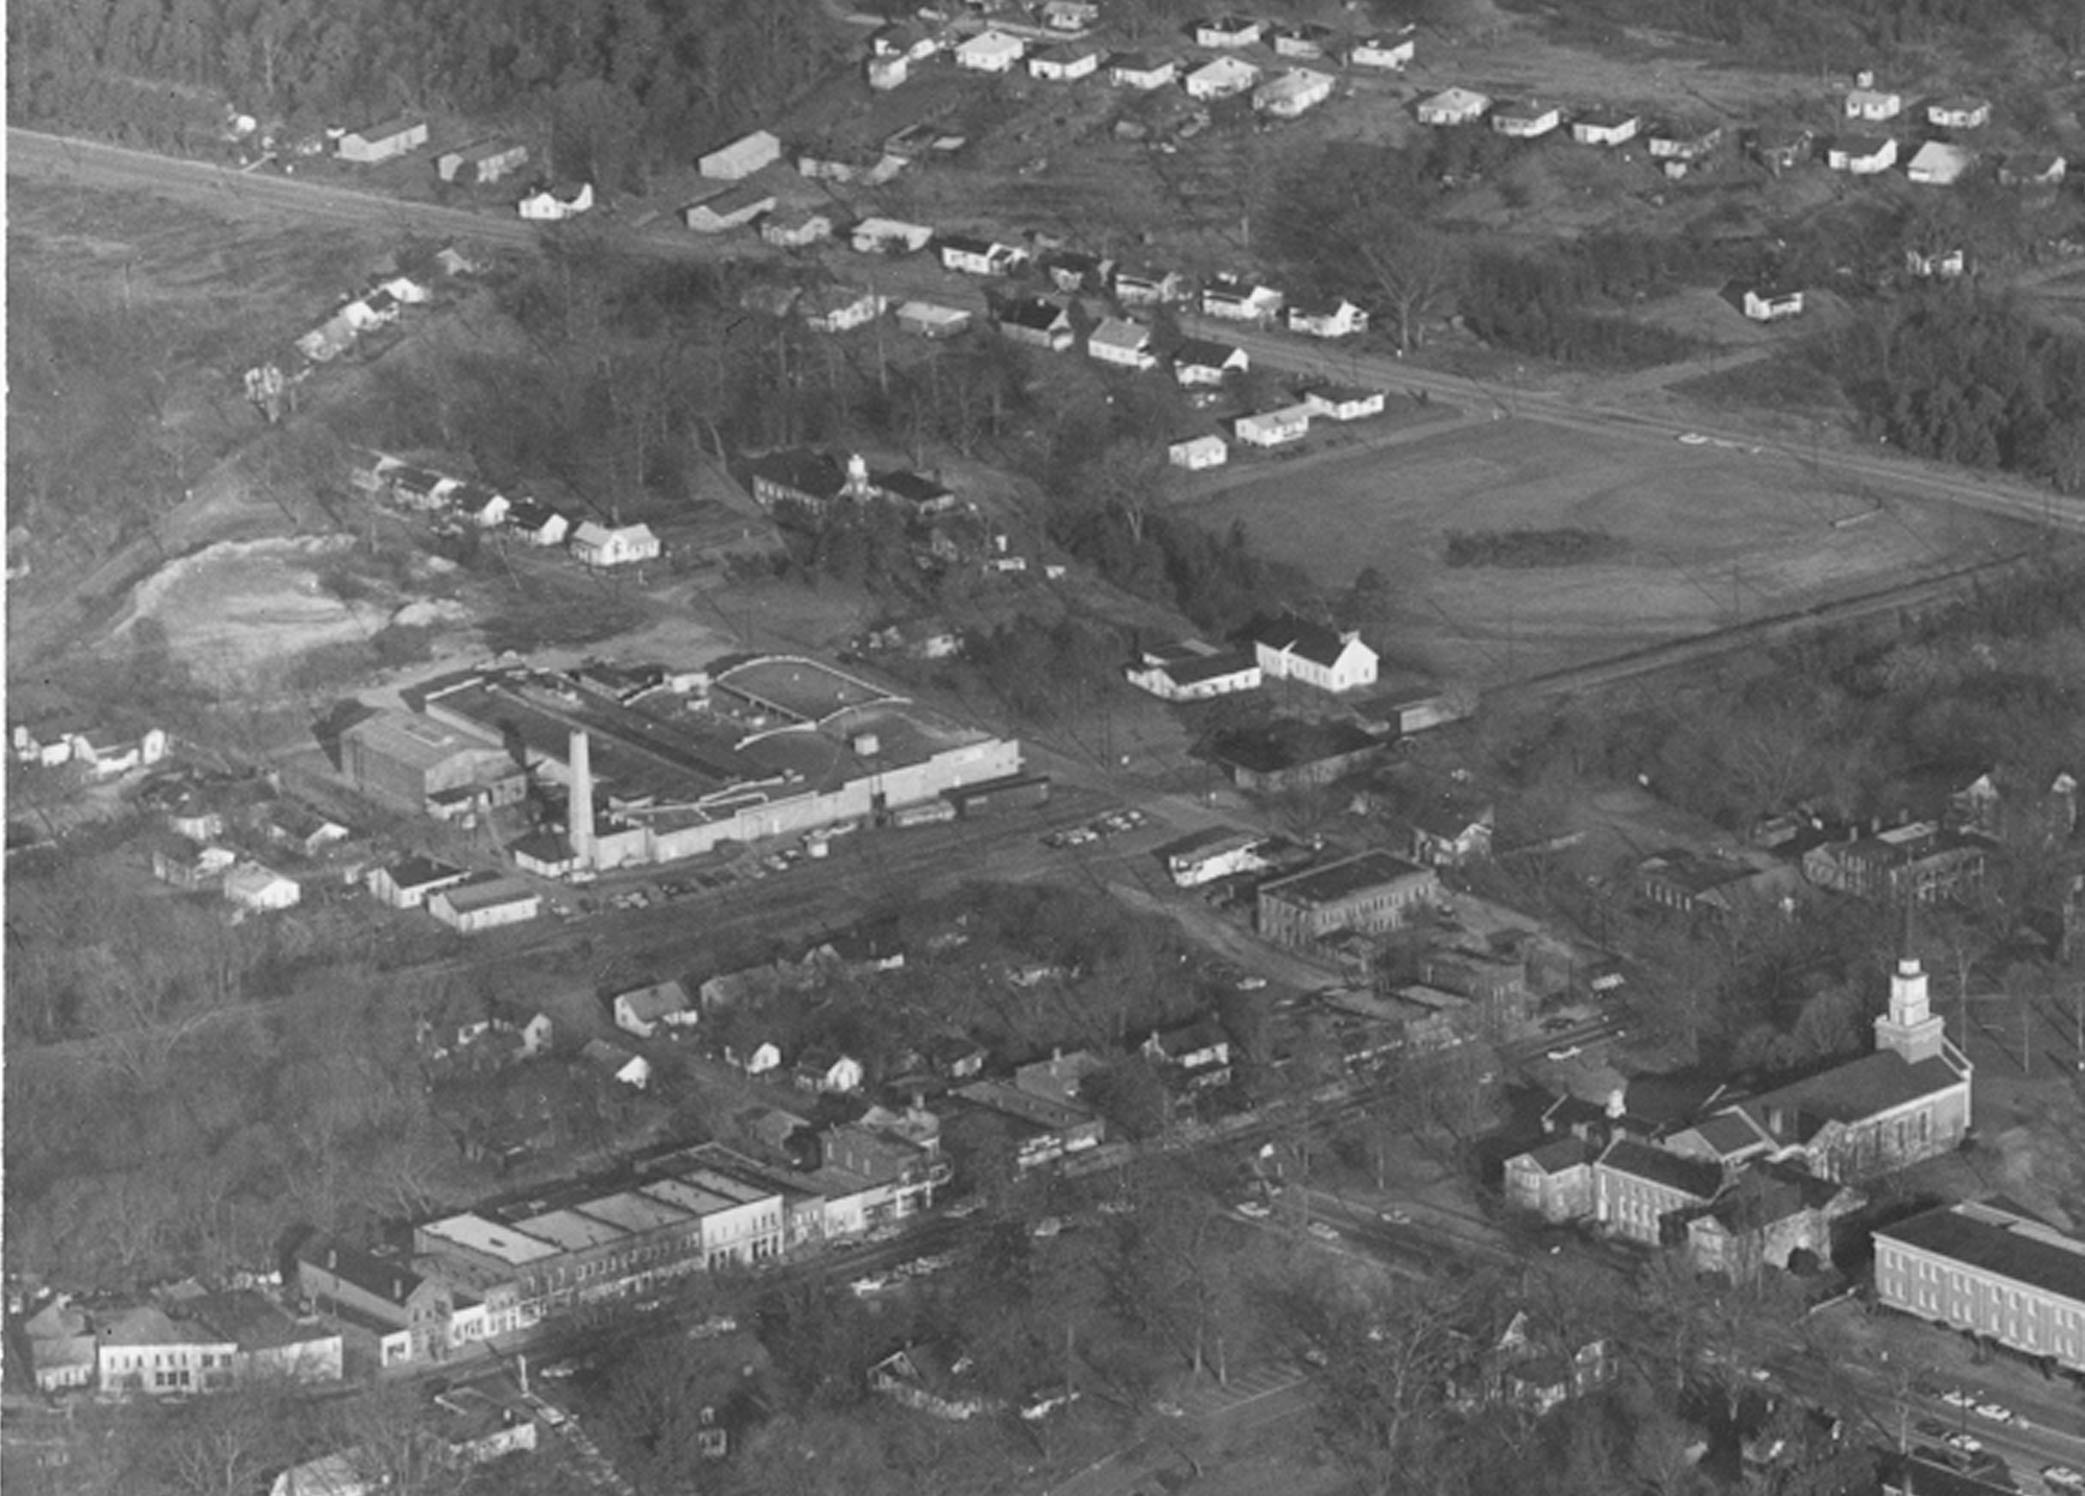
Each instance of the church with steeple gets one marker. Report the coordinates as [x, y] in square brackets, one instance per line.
[1909, 1100]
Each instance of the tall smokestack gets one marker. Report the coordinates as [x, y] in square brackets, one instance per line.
[579, 810]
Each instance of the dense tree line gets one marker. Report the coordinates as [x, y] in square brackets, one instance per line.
[619, 83]
[1844, 32]
[1970, 379]
[1561, 303]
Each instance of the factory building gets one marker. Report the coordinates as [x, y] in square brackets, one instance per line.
[778, 745]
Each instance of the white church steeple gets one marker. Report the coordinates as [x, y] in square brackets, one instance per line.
[1911, 1027]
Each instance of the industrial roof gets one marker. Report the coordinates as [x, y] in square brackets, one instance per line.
[417, 741]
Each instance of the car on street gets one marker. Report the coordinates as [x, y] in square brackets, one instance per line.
[1322, 1231]
[1955, 1397]
[2062, 1478]
[1964, 1443]
[1995, 1412]
[1933, 1428]
[1558, 1024]
[871, 1283]
[1396, 1215]
[1254, 1210]
[1567, 1052]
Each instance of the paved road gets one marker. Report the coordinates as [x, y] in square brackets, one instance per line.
[1891, 472]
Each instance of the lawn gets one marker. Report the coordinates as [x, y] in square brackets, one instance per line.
[1708, 536]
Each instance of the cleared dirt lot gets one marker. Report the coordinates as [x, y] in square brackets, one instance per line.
[1711, 536]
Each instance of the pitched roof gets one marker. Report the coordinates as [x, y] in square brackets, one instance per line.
[1204, 353]
[1848, 1093]
[1034, 312]
[1120, 332]
[391, 1281]
[818, 474]
[650, 1004]
[1344, 878]
[1559, 1154]
[1316, 642]
[1691, 1176]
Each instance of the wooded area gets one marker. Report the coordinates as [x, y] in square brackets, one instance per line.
[1975, 380]
[620, 84]
[1841, 33]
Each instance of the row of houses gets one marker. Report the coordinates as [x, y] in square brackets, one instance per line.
[380, 306]
[97, 751]
[895, 49]
[427, 491]
[1679, 145]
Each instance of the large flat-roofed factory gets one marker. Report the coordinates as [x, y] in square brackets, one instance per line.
[658, 765]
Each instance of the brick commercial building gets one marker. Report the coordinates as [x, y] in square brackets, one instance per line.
[1991, 1269]
[1372, 892]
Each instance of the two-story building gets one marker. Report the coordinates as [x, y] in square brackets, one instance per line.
[1992, 1270]
[1371, 892]
[1640, 1191]
[1553, 1181]
[1920, 860]
[389, 1313]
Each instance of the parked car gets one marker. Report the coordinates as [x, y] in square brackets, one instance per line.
[2062, 1478]
[1568, 1052]
[1996, 1412]
[1964, 1443]
[1396, 1215]
[1955, 1397]
[1322, 1231]
[1254, 1210]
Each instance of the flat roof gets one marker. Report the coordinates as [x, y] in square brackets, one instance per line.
[635, 1212]
[687, 1196]
[737, 1191]
[571, 1230]
[478, 1234]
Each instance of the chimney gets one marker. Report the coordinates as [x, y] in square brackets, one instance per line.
[579, 809]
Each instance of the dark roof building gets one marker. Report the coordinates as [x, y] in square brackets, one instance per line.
[1991, 1269]
[1290, 753]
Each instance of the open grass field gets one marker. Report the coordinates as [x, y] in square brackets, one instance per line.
[1710, 536]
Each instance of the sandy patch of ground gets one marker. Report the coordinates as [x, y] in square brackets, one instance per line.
[236, 608]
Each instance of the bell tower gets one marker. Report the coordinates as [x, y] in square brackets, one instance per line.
[1911, 1027]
